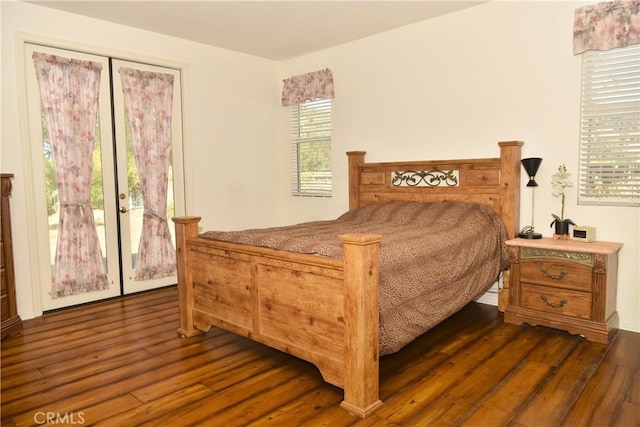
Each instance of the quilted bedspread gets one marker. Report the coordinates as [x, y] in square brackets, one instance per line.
[434, 257]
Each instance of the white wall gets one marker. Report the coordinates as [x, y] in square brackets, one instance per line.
[230, 122]
[448, 87]
[453, 87]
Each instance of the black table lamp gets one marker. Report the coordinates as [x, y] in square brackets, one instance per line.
[531, 165]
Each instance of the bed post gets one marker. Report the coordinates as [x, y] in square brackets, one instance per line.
[356, 158]
[510, 152]
[186, 227]
[361, 316]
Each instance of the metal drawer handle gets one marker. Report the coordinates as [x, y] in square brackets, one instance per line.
[562, 302]
[551, 276]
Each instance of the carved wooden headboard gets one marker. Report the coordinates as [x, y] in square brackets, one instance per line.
[494, 182]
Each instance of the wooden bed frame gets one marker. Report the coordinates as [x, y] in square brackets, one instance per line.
[324, 310]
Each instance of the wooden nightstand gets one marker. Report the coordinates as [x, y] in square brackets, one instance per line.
[564, 284]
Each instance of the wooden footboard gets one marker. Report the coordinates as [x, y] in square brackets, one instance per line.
[319, 309]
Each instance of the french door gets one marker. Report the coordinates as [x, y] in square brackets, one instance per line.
[120, 195]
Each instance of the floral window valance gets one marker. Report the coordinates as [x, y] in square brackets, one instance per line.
[307, 87]
[606, 25]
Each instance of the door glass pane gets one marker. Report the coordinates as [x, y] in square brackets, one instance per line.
[135, 200]
[51, 187]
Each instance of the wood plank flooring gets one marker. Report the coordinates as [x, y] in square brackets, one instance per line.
[121, 363]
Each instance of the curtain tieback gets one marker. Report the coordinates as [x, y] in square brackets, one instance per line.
[75, 205]
[163, 230]
[152, 214]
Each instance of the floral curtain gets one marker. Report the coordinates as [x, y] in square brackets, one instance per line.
[69, 96]
[308, 87]
[148, 99]
[606, 26]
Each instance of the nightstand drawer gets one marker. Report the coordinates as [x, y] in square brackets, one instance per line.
[558, 274]
[558, 301]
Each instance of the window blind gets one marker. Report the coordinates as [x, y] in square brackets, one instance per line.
[610, 127]
[311, 148]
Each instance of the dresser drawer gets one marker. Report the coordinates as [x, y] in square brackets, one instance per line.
[558, 301]
[4, 307]
[558, 274]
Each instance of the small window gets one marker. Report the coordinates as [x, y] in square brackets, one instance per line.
[610, 127]
[311, 148]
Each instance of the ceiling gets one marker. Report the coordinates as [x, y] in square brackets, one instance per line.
[277, 30]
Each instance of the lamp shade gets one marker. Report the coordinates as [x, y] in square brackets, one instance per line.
[531, 165]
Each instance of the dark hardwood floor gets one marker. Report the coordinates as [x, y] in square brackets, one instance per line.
[121, 363]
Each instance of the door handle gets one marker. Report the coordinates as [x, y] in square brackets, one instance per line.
[123, 210]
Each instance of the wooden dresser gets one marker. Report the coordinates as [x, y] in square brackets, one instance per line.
[11, 322]
[564, 284]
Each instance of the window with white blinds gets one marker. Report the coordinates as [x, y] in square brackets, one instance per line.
[311, 148]
[610, 127]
